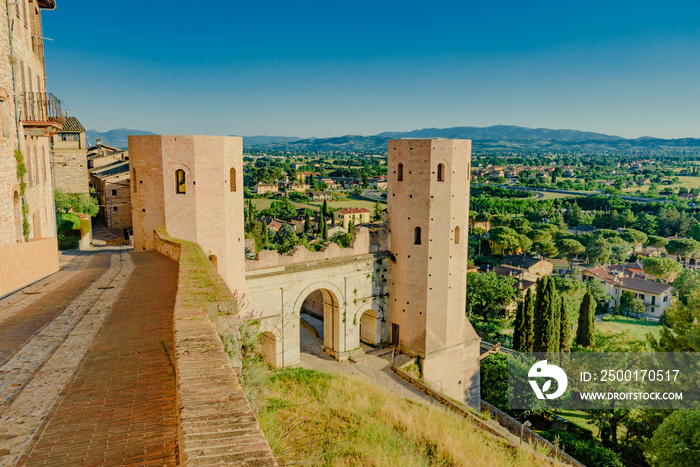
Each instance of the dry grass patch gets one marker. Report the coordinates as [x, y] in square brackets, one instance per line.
[312, 418]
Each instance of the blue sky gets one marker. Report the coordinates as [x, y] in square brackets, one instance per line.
[320, 68]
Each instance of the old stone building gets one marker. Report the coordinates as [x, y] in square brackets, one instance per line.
[192, 186]
[69, 158]
[29, 118]
[110, 177]
[357, 216]
[112, 189]
[428, 213]
[402, 284]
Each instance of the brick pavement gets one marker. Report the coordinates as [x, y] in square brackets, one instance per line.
[17, 329]
[120, 408]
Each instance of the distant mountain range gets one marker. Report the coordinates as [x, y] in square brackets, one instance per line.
[119, 138]
[114, 138]
[504, 138]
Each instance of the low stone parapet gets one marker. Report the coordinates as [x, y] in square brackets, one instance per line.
[300, 254]
[216, 422]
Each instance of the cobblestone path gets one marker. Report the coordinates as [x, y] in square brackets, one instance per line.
[88, 381]
[376, 368]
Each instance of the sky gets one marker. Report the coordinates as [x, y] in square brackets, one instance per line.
[324, 68]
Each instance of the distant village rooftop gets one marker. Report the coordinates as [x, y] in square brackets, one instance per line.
[353, 210]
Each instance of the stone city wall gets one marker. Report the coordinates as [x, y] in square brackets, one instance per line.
[364, 243]
[216, 423]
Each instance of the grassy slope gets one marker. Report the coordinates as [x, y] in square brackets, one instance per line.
[319, 419]
[637, 327]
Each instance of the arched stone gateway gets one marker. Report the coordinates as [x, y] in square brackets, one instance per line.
[323, 304]
[370, 328]
[338, 289]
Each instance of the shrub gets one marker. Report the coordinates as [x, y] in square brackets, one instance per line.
[69, 241]
[67, 223]
[588, 452]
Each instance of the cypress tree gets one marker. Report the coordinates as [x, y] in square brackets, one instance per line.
[323, 229]
[564, 328]
[528, 338]
[351, 226]
[519, 331]
[324, 209]
[307, 221]
[265, 236]
[546, 317]
[586, 321]
[524, 326]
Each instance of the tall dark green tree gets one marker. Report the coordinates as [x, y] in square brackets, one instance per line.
[265, 236]
[546, 317]
[586, 321]
[307, 220]
[564, 327]
[377, 214]
[324, 209]
[323, 228]
[519, 325]
[523, 337]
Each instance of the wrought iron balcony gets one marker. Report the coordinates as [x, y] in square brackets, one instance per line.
[40, 113]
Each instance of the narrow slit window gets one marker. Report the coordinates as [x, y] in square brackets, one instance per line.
[416, 236]
[233, 179]
[399, 172]
[441, 173]
[180, 182]
[457, 234]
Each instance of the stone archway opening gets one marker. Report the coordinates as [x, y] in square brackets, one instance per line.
[369, 329]
[320, 315]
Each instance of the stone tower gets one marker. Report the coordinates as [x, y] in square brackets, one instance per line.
[428, 213]
[193, 187]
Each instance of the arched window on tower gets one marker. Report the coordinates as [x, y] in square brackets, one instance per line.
[399, 172]
[441, 173]
[233, 179]
[180, 182]
[416, 236]
[457, 234]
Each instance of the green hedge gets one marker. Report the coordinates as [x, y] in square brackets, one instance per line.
[68, 222]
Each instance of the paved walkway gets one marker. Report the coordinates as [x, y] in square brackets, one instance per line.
[376, 368]
[88, 380]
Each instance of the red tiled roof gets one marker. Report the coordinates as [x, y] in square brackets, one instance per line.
[353, 210]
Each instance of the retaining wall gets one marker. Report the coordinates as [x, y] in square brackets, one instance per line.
[216, 423]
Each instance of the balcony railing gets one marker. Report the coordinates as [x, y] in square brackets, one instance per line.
[40, 107]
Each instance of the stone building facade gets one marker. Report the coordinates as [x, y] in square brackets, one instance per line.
[29, 117]
[428, 214]
[69, 158]
[192, 186]
[113, 190]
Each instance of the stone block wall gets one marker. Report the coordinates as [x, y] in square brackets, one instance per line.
[300, 255]
[216, 422]
[24, 263]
